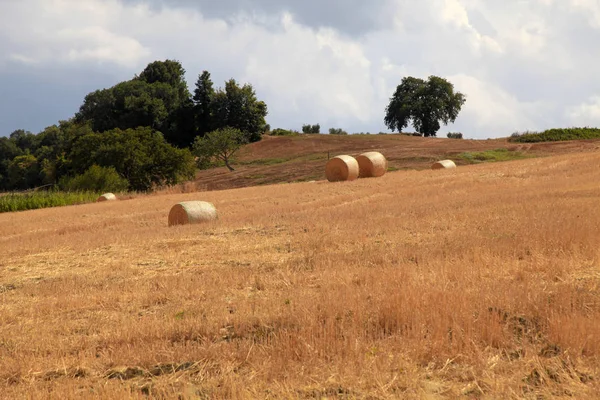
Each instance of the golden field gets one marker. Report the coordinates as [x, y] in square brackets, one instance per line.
[480, 282]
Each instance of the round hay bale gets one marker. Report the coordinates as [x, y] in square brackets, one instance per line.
[372, 164]
[192, 212]
[106, 197]
[341, 168]
[444, 164]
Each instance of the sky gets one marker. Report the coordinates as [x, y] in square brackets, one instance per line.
[522, 64]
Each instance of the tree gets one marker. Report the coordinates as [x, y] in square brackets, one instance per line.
[237, 107]
[337, 131]
[158, 98]
[24, 172]
[220, 144]
[311, 128]
[141, 155]
[203, 95]
[424, 104]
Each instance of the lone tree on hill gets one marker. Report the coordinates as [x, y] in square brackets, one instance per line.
[220, 144]
[424, 104]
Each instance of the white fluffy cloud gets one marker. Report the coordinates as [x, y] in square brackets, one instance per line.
[522, 65]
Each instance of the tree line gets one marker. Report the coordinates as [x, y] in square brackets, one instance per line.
[137, 134]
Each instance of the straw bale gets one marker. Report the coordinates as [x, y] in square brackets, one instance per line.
[444, 164]
[107, 197]
[192, 212]
[372, 164]
[341, 168]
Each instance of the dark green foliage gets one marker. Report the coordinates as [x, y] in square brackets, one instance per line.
[311, 128]
[454, 135]
[141, 155]
[237, 107]
[157, 98]
[24, 140]
[95, 179]
[219, 145]
[24, 172]
[283, 132]
[203, 95]
[337, 131]
[41, 199]
[552, 135]
[423, 103]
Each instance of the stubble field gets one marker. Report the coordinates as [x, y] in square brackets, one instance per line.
[480, 282]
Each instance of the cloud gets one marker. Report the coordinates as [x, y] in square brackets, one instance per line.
[585, 114]
[522, 65]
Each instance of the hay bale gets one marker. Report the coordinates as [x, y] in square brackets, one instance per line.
[192, 212]
[341, 168]
[106, 197]
[444, 164]
[371, 164]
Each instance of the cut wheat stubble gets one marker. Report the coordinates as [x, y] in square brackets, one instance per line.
[192, 212]
[342, 168]
[372, 164]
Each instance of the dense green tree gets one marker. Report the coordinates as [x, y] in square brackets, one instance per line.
[155, 99]
[24, 172]
[219, 145]
[8, 151]
[203, 96]
[141, 155]
[423, 103]
[24, 140]
[311, 128]
[170, 72]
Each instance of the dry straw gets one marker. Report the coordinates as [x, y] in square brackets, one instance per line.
[192, 212]
[341, 168]
[107, 197]
[444, 164]
[372, 164]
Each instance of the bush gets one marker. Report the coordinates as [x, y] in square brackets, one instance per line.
[282, 132]
[553, 135]
[141, 155]
[311, 128]
[337, 131]
[95, 179]
[454, 135]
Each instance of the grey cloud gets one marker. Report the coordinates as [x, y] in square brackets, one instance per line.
[352, 17]
[33, 99]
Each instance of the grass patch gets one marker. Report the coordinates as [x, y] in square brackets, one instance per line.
[264, 161]
[495, 155]
[30, 201]
[554, 135]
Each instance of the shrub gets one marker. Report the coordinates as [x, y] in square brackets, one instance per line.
[311, 128]
[95, 179]
[454, 135]
[337, 131]
[282, 132]
[553, 135]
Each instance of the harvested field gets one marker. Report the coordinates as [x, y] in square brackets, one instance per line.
[477, 282]
[301, 158]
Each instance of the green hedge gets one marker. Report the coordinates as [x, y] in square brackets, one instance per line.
[557, 134]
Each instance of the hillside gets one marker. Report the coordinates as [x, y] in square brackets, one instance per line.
[302, 158]
[478, 282]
